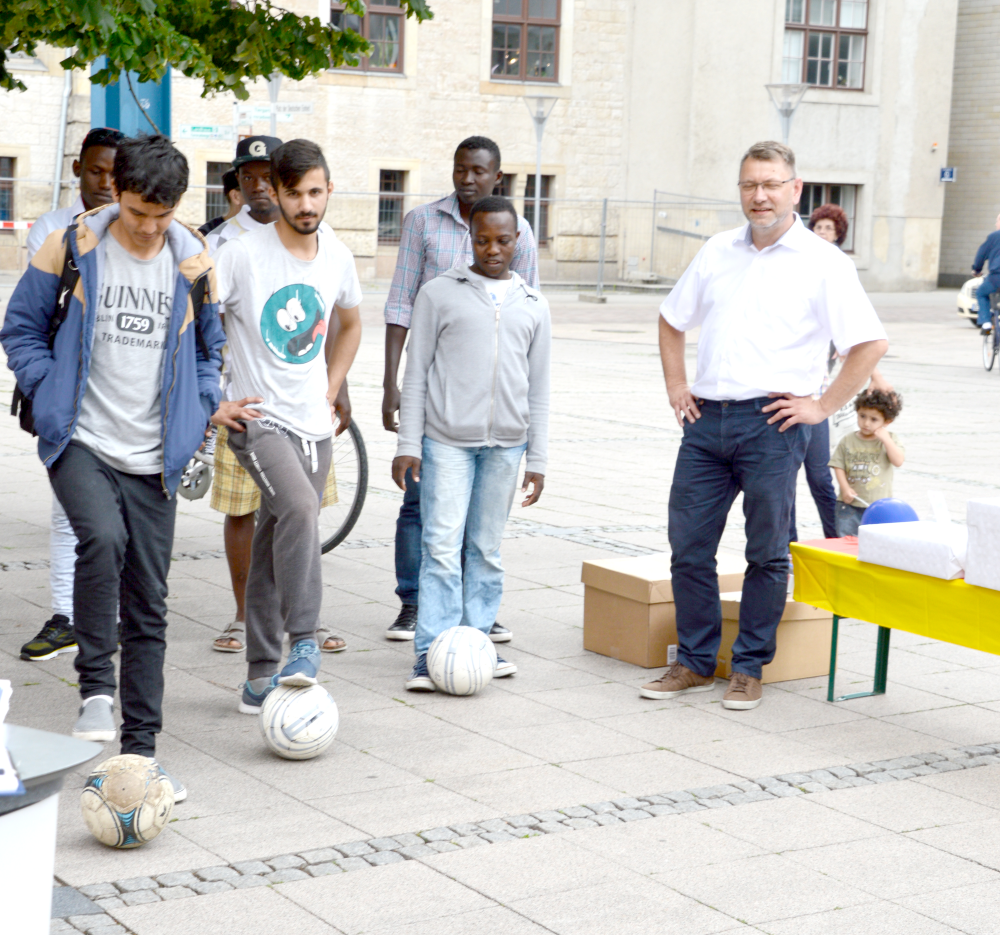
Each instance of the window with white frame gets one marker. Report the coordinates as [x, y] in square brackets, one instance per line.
[825, 42]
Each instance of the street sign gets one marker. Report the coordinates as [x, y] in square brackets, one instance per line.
[948, 174]
[260, 113]
[188, 132]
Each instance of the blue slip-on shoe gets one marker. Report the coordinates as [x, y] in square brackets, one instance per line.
[251, 701]
[420, 679]
[504, 668]
[303, 665]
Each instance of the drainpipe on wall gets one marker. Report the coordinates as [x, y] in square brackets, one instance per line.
[61, 145]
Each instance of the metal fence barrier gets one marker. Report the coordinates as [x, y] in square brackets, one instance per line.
[596, 244]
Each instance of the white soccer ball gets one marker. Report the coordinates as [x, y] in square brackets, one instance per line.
[461, 660]
[126, 801]
[299, 723]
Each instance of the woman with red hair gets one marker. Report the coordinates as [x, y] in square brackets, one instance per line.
[830, 223]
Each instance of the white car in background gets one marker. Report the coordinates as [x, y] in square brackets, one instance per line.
[968, 307]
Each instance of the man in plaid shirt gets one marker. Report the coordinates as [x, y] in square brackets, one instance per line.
[434, 239]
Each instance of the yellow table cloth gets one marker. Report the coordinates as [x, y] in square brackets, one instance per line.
[833, 579]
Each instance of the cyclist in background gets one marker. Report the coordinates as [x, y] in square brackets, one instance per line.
[988, 252]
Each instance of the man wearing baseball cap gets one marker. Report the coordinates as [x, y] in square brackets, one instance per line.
[253, 171]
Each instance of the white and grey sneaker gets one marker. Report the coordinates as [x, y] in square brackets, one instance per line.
[504, 668]
[97, 720]
[180, 792]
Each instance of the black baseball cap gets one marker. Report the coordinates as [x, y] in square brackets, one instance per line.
[255, 149]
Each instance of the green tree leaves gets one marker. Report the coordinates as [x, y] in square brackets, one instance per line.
[225, 43]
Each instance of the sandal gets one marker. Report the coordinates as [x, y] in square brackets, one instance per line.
[229, 641]
[333, 644]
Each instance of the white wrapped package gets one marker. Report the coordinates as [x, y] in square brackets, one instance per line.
[982, 564]
[924, 547]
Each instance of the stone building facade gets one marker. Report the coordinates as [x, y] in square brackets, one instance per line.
[651, 97]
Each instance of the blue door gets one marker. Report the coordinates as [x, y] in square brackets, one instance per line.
[114, 106]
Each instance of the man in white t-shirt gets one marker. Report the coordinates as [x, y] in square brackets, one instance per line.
[253, 173]
[278, 288]
[768, 298]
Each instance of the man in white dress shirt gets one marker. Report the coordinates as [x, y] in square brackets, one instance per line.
[768, 298]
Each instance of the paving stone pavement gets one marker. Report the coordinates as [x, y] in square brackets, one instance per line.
[528, 807]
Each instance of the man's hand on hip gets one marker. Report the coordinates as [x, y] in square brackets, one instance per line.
[683, 404]
[233, 414]
[794, 410]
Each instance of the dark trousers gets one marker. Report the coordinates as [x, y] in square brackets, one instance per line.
[730, 449]
[125, 527]
[408, 533]
[817, 465]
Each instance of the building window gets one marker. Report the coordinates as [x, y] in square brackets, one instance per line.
[815, 194]
[382, 26]
[6, 188]
[506, 186]
[526, 40]
[216, 203]
[391, 185]
[542, 231]
[825, 43]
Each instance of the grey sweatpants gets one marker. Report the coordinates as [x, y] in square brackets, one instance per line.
[284, 584]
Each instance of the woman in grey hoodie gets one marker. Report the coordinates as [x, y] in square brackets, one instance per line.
[475, 399]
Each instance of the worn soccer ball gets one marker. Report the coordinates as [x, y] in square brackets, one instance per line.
[126, 802]
[299, 723]
[461, 660]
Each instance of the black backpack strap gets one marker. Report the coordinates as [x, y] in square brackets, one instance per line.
[198, 289]
[67, 284]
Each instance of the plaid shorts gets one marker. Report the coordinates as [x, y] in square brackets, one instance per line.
[234, 491]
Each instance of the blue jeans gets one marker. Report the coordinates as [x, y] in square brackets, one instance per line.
[817, 465]
[988, 286]
[408, 543]
[848, 519]
[467, 495]
[731, 448]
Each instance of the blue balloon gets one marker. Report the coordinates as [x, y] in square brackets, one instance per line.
[889, 510]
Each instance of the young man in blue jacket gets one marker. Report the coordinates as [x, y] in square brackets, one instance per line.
[475, 401]
[121, 401]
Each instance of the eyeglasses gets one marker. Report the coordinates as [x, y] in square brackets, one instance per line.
[771, 185]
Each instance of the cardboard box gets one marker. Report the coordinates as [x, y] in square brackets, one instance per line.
[804, 636]
[628, 606]
[982, 561]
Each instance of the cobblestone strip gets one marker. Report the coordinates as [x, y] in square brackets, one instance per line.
[376, 852]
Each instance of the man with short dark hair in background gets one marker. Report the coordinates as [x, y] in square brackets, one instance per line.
[121, 402]
[234, 201]
[988, 253]
[435, 238]
[94, 169]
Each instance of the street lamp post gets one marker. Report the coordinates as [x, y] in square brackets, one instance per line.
[273, 87]
[540, 107]
[786, 97]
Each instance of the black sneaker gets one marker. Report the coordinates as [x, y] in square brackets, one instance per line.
[57, 636]
[405, 627]
[500, 634]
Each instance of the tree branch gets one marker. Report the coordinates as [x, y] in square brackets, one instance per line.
[145, 113]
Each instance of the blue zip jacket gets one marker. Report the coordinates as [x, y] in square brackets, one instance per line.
[55, 380]
[989, 250]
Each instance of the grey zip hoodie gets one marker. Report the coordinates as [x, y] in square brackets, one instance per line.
[476, 376]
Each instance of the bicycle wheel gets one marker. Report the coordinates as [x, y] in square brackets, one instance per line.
[989, 351]
[350, 466]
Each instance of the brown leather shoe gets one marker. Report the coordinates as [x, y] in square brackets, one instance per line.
[744, 692]
[677, 680]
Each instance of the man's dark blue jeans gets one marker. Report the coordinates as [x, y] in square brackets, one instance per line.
[989, 285]
[408, 531]
[730, 449]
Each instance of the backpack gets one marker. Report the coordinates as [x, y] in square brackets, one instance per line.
[20, 404]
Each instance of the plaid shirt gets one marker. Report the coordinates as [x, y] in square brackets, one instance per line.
[436, 239]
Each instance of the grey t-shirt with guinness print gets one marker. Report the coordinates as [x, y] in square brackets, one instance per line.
[120, 413]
